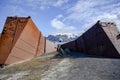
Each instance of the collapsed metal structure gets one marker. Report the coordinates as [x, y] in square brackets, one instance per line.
[21, 40]
[102, 39]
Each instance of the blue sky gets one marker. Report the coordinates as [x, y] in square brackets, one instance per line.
[62, 16]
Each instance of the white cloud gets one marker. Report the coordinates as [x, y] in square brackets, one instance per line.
[60, 2]
[41, 4]
[59, 25]
[60, 16]
[118, 16]
[87, 9]
[87, 12]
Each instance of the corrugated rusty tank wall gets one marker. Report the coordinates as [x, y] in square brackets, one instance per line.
[101, 39]
[113, 33]
[11, 32]
[26, 45]
[71, 45]
[21, 40]
[42, 45]
[50, 46]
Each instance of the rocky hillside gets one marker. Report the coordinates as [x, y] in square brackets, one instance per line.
[62, 37]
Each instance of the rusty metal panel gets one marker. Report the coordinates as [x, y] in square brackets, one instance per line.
[98, 42]
[30, 34]
[22, 21]
[13, 59]
[7, 39]
[50, 47]
[71, 45]
[113, 33]
[80, 44]
[41, 46]
[101, 39]
[26, 45]
[19, 54]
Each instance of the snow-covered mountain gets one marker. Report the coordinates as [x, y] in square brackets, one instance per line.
[62, 37]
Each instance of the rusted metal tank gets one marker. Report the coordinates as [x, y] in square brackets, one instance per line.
[50, 47]
[71, 45]
[21, 40]
[9, 36]
[42, 45]
[102, 39]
